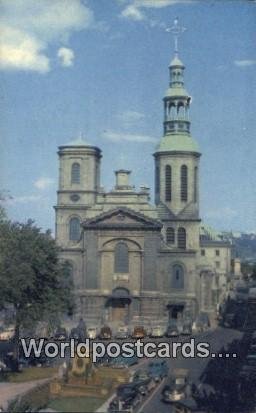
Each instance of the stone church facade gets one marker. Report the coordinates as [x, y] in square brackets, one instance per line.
[130, 258]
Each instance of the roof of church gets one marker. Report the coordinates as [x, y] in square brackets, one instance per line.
[78, 142]
[122, 211]
[177, 143]
[176, 62]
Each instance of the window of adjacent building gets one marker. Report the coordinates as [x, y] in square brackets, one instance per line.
[157, 180]
[184, 183]
[177, 277]
[170, 236]
[168, 183]
[217, 253]
[195, 183]
[182, 238]
[121, 258]
[217, 264]
[74, 229]
[75, 173]
[203, 253]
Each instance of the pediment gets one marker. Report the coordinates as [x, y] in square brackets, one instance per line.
[122, 217]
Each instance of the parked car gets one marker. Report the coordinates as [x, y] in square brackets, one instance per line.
[3, 366]
[74, 333]
[157, 331]
[105, 333]
[253, 341]
[122, 333]
[186, 329]
[172, 331]
[60, 334]
[92, 333]
[139, 332]
[7, 333]
[127, 397]
[144, 381]
[250, 364]
[176, 387]
[122, 361]
[158, 369]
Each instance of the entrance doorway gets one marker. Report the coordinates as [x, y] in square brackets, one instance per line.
[175, 312]
[120, 309]
[118, 305]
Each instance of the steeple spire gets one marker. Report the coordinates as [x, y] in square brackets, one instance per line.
[176, 30]
[176, 100]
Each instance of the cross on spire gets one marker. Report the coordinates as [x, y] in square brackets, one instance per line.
[176, 30]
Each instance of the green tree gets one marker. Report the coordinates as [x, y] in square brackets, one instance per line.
[3, 198]
[253, 274]
[32, 280]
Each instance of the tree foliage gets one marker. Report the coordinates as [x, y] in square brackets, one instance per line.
[32, 280]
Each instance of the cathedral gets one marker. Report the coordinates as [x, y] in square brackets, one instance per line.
[131, 259]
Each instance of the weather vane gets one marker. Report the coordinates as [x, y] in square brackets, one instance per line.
[176, 30]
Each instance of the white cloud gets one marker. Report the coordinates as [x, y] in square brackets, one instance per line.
[66, 56]
[19, 50]
[26, 199]
[132, 12]
[29, 27]
[130, 117]
[43, 183]
[133, 8]
[160, 3]
[225, 212]
[128, 137]
[245, 63]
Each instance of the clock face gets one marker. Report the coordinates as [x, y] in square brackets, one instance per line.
[74, 197]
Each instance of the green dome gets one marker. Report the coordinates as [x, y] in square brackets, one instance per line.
[178, 143]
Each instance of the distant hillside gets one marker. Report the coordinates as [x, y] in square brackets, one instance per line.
[244, 245]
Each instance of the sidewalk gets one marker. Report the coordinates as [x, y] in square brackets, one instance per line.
[9, 391]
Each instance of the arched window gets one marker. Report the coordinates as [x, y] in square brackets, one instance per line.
[74, 229]
[121, 258]
[182, 241]
[168, 183]
[184, 183]
[75, 173]
[195, 183]
[157, 178]
[177, 277]
[170, 236]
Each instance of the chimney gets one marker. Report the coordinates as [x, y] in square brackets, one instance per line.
[122, 179]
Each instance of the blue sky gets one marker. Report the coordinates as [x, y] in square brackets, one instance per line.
[100, 68]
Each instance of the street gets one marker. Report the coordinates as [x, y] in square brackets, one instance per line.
[217, 339]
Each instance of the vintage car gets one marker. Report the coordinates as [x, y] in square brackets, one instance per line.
[157, 331]
[105, 333]
[122, 333]
[176, 387]
[158, 369]
[121, 361]
[92, 333]
[172, 331]
[127, 398]
[139, 332]
[8, 333]
[186, 329]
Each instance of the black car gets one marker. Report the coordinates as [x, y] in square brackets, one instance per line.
[172, 331]
[60, 335]
[74, 333]
[127, 397]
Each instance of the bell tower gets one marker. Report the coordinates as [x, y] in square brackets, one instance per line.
[177, 155]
